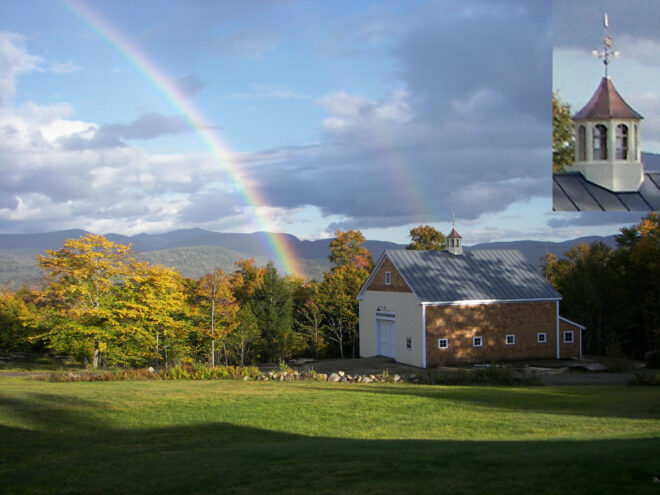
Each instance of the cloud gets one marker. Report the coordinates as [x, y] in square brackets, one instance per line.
[189, 84]
[260, 91]
[147, 126]
[579, 24]
[14, 60]
[253, 43]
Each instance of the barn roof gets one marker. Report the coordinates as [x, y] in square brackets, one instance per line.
[480, 275]
[572, 192]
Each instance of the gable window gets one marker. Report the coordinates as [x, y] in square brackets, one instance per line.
[510, 339]
[621, 142]
[541, 338]
[477, 342]
[443, 343]
[582, 143]
[569, 337]
[408, 342]
[600, 142]
[388, 278]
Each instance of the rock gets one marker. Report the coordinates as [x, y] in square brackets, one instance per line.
[322, 377]
[270, 374]
[246, 378]
[396, 378]
[341, 373]
[366, 379]
[334, 377]
[151, 370]
[373, 377]
[343, 379]
[349, 377]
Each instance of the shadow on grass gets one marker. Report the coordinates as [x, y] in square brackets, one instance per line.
[615, 402]
[72, 451]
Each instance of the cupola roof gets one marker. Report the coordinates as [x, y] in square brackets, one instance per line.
[453, 234]
[606, 103]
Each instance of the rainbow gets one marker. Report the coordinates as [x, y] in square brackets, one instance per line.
[278, 244]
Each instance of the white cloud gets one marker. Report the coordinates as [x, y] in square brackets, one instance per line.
[14, 60]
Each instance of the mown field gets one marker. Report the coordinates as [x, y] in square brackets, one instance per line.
[309, 437]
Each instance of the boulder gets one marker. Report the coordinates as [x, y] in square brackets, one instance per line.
[334, 377]
[341, 373]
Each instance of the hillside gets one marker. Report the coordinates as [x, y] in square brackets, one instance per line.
[194, 252]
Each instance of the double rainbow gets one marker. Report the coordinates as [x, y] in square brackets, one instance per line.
[278, 245]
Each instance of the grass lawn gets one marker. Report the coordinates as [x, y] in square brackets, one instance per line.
[308, 437]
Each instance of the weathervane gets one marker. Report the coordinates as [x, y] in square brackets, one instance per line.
[607, 45]
[453, 220]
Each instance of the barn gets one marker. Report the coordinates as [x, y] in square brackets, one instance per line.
[429, 308]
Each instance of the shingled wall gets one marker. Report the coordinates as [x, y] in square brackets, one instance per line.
[492, 322]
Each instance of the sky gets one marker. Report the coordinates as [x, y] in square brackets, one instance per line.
[299, 116]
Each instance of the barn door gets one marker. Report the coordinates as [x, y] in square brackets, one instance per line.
[386, 338]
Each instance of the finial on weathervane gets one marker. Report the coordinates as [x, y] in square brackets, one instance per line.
[607, 52]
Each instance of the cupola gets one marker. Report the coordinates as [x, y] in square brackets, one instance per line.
[608, 135]
[454, 243]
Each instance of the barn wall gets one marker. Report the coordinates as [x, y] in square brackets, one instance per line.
[408, 324]
[491, 322]
[569, 351]
[378, 281]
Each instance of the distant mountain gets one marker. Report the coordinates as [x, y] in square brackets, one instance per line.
[535, 250]
[194, 252]
[651, 162]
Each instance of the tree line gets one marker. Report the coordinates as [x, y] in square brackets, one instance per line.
[615, 293]
[104, 308]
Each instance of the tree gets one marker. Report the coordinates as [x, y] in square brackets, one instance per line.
[346, 248]
[18, 322]
[563, 140]
[215, 290]
[309, 317]
[272, 305]
[246, 280]
[81, 291]
[246, 336]
[338, 293]
[151, 316]
[426, 237]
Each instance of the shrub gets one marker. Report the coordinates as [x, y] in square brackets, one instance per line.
[645, 379]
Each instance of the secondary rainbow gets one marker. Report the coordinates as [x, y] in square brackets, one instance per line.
[252, 198]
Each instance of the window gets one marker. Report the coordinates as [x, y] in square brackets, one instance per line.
[621, 142]
[582, 143]
[408, 342]
[443, 343]
[600, 142]
[388, 278]
[568, 337]
[476, 342]
[510, 339]
[541, 338]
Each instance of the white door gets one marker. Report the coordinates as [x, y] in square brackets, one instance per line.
[386, 337]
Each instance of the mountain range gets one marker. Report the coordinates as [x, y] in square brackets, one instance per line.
[195, 252]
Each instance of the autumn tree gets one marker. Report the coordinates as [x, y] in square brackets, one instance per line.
[563, 141]
[18, 322]
[151, 316]
[215, 291]
[347, 249]
[81, 293]
[246, 279]
[426, 237]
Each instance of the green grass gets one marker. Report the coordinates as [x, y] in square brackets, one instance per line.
[302, 437]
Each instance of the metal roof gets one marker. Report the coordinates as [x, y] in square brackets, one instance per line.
[484, 275]
[572, 192]
[606, 103]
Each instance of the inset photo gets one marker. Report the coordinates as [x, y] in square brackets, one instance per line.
[606, 106]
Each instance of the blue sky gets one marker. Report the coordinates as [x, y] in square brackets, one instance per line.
[364, 115]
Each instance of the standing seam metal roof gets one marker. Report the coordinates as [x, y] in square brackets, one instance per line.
[476, 275]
